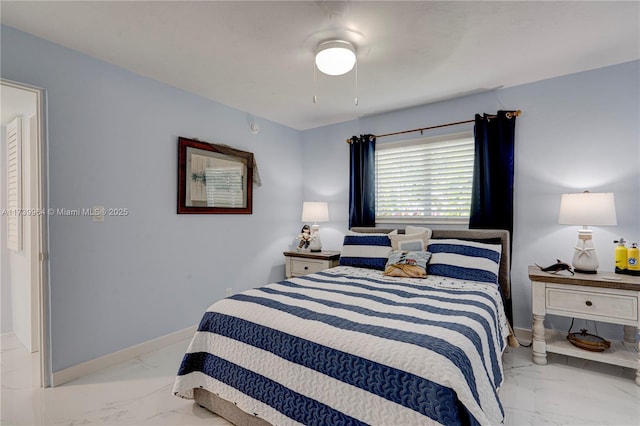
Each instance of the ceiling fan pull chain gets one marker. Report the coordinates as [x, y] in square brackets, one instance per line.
[355, 100]
[315, 98]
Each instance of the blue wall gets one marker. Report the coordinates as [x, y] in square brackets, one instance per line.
[576, 132]
[113, 142]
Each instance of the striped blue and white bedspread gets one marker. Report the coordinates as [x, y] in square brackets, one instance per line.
[351, 346]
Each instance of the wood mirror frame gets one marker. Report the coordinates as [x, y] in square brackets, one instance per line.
[230, 168]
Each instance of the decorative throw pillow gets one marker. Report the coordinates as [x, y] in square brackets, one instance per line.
[409, 229]
[365, 251]
[394, 232]
[411, 242]
[465, 260]
[410, 264]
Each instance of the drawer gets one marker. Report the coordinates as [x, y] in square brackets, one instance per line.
[307, 266]
[611, 306]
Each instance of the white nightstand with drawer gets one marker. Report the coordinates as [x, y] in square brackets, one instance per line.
[307, 262]
[591, 297]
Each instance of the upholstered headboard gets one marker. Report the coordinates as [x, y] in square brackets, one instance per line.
[504, 276]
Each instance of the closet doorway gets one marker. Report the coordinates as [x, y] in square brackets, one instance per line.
[23, 222]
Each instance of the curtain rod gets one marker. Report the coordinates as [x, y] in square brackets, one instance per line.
[509, 114]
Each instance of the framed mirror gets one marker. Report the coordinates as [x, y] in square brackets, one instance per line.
[213, 179]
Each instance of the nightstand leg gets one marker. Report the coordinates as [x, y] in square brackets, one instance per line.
[629, 334]
[630, 337]
[539, 343]
[638, 369]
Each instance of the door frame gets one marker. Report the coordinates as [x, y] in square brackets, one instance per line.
[39, 243]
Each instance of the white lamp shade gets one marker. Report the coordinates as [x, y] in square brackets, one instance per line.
[588, 208]
[335, 57]
[315, 211]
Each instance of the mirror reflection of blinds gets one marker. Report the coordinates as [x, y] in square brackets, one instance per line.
[224, 187]
[427, 180]
[14, 184]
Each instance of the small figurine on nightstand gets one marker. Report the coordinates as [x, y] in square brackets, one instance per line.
[305, 238]
[556, 267]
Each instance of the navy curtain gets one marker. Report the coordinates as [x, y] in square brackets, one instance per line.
[362, 181]
[492, 190]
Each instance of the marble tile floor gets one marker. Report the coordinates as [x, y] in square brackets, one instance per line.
[567, 391]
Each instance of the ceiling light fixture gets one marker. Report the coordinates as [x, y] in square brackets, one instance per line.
[335, 57]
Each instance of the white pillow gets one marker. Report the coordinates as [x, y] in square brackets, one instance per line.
[411, 242]
[417, 229]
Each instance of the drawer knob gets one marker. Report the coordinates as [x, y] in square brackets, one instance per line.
[588, 303]
[306, 267]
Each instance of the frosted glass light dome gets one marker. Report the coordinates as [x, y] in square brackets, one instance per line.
[335, 57]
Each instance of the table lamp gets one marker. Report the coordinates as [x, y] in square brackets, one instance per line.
[587, 208]
[315, 211]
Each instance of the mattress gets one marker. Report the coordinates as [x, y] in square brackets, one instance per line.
[352, 346]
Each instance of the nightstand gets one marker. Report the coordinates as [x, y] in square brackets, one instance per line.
[307, 262]
[595, 297]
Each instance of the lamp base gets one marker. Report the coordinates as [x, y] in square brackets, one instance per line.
[315, 245]
[582, 271]
[585, 260]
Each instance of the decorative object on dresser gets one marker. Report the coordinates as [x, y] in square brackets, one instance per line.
[604, 297]
[587, 341]
[633, 254]
[303, 263]
[556, 267]
[627, 258]
[304, 237]
[315, 211]
[587, 208]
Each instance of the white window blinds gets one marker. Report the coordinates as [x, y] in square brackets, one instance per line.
[14, 184]
[428, 180]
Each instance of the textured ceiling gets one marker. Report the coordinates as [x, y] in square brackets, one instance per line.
[258, 56]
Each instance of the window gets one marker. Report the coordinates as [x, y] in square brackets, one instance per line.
[427, 180]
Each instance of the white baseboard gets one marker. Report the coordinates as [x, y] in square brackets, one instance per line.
[79, 370]
[523, 335]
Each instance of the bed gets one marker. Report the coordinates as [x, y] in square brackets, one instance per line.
[351, 345]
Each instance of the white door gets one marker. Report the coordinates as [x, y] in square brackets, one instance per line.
[23, 255]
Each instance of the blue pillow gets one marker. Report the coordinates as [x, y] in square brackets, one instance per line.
[365, 251]
[465, 260]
